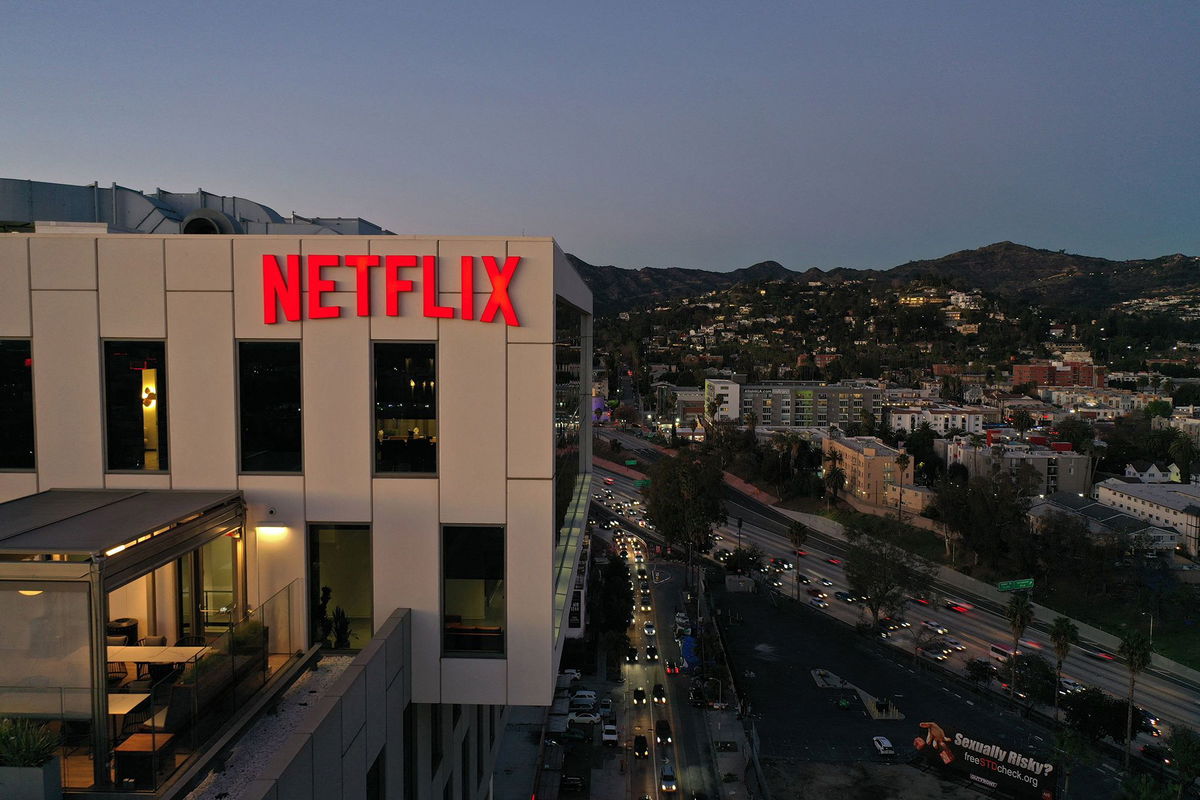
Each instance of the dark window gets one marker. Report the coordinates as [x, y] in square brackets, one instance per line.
[473, 591]
[456, 714]
[16, 405]
[406, 428]
[568, 407]
[410, 752]
[479, 734]
[465, 767]
[135, 400]
[340, 585]
[435, 739]
[269, 406]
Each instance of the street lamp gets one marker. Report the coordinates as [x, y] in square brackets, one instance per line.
[1151, 616]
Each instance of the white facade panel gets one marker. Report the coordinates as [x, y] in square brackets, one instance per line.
[17, 484]
[472, 421]
[279, 557]
[130, 277]
[530, 406]
[338, 421]
[201, 390]
[532, 291]
[199, 263]
[476, 681]
[247, 286]
[14, 277]
[530, 576]
[407, 554]
[66, 388]
[62, 262]
[137, 480]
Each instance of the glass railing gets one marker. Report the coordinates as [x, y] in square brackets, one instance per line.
[567, 549]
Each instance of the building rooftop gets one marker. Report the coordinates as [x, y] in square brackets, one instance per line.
[1177, 496]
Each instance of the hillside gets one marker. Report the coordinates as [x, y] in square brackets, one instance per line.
[1044, 277]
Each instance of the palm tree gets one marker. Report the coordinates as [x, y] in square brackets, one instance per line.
[1183, 451]
[902, 461]
[751, 420]
[1063, 634]
[977, 440]
[1137, 650]
[1020, 614]
[1022, 420]
[835, 481]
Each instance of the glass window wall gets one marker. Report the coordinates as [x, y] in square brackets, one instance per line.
[473, 590]
[406, 426]
[135, 405]
[16, 405]
[340, 585]
[269, 406]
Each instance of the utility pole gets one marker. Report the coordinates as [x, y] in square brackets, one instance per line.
[739, 533]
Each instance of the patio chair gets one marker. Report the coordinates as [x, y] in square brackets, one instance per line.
[117, 672]
[191, 641]
[147, 671]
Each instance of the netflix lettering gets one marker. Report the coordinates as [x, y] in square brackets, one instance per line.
[282, 282]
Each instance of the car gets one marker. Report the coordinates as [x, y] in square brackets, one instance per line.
[723, 555]
[802, 553]
[667, 778]
[919, 601]
[646, 601]
[608, 735]
[624, 553]
[642, 574]
[609, 481]
[649, 628]
[606, 707]
[1100, 655]
[895, 624]
[935, 626]
[818, 602]
[644, 586]
[631, 655]
[954, 644]
[651, 653]
[1157, 753]
[573, 674]
[957, 606]
[826, 582]
[845, 597]
[835, 561]
[717, 537]
[582, 718]
[883, 746]
[816, 593]
[671, 667]
[659, 694]
[641, 747]
[639, 696]
[803, 579]
[778, 584]
[934, 652]
[571, 783]
[662, 731]
[638, 557]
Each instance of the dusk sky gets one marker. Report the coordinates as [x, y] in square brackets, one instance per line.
[638, 134]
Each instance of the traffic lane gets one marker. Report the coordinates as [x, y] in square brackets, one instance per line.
[639, 722]
[797, 719]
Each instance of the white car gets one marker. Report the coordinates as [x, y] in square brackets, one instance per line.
[818, 602]
[609, 735]
[648, 629]
[582, 718]
[935, 626]
[883, 746]
[954, 644]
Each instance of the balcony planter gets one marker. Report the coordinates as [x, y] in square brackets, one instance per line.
[32, 783]
[29, 765]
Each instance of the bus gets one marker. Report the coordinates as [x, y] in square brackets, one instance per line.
[1002, 652]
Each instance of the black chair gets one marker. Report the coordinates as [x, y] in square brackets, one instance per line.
[134, 720]
[191, 641]
[117, 672]
[145, 670]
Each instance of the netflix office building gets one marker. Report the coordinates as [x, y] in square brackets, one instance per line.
[226, 453]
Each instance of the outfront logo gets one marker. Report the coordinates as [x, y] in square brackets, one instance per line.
[281, 284]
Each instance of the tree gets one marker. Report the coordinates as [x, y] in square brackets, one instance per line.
[1022, 420]
[1157, 408]
[1094, 714]
[1039, 683]
[684, 501]
[1184, 746]
[1020, 614]
[750, 419]
[1144, 787]
[884, 574]
[1183, 452]
[744, 560]
[798, 534]
[902, 462]
[1074, 750]
[1137, 651]
[980, 672]
[1063, 634]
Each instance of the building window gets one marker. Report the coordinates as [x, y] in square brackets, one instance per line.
[406, 428]
[269, 406]
[135, 405]
[473, 590]
[340, 587]
[16, 405]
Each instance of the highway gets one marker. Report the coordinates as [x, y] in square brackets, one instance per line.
[1168, 697]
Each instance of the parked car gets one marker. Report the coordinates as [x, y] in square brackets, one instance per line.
[883, 746]
[608, 735]
[582, 718]
[606, 707]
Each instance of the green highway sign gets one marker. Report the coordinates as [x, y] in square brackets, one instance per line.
[641, 484]
[631, 462]
[1008, 586]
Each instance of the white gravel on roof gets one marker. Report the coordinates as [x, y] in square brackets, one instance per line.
[250, 753]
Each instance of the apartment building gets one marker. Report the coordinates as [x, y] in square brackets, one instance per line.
[1168, 505]
[869, 464]
[1059, 373]
[1104, 522]
[940, 417]
[1056, 470]
[798, 403]
[260, 446]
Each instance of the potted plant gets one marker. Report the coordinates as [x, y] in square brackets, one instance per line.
[29, 764]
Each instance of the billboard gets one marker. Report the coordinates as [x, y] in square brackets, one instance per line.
[986, 763]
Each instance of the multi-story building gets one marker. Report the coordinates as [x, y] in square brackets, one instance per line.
[941, 418]
[798, 403]
[1104, 522]
[1185, 420]
[257, 445]
[1055, 469]
[1059, 373]
[1168, 505]
[1104, 401]
[870, 466]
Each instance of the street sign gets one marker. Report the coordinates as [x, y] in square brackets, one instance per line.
[1009, 586]
[641, 484]
[631, 462]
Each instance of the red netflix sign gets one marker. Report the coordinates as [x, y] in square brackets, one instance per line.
[282, 286]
